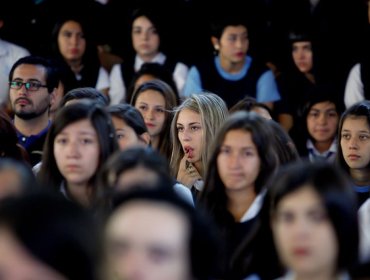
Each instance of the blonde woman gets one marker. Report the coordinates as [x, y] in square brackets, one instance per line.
[193, 127]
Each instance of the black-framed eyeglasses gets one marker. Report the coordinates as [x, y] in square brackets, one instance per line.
[31, 86]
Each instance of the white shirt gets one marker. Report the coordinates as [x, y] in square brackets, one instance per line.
[117, 90]
[354, 91]
[364, 227]
[9, 54]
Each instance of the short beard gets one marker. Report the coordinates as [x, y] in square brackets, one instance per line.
[30, 115]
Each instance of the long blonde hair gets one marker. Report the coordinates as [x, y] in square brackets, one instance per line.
[213, 112]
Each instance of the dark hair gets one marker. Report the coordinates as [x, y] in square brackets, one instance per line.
[360, 109]
[51, 75]
[122, 161]
[164, 146]
[213, 197]
[285, 147]
[202, 239]
[130, 115]
[336, 194]
[49, 174]
[220, 22]
[249, 103]
[54, 231]
[158, 71]
[85, 93]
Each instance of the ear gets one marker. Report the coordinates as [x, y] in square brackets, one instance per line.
[215, 43]
[145, 138]
[1, 23]
[52, 97]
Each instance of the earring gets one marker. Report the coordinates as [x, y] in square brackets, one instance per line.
[217, 47]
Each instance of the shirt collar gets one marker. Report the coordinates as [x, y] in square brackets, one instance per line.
[159, 58]
[255, 207]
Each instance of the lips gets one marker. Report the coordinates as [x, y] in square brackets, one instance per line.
[150, 125]
[189, 151]
[353, 157]
[23, 101]
[301, 252]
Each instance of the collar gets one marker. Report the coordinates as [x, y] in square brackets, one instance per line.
[340, 276]
[159, 58]
[234, 76]
[255, 207]
[314, 154]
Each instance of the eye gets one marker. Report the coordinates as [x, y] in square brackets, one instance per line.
[225, 150]
[61, 140]
[120, 135]
[159, 110]
[142, 108]
[180, 129]
[346, 136]
[195, 128]
[363, 137]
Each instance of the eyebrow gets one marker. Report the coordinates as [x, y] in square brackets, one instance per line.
[192, 123]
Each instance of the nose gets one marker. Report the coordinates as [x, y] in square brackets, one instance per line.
[353, 143]
[73, 149]
[234, 161]
[322, 118]
[300, 229]
[150, 114]
[185, 136]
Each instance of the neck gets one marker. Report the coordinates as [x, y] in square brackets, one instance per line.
[81, 193]
[33, 126]
[231, 67]
[361, 177]
[320, 275]
[323, 146]
[75, 65]
[310, 77]
[148, 57]
[154, 141]
[239, 201]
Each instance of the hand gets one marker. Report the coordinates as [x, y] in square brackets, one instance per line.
[187, 174]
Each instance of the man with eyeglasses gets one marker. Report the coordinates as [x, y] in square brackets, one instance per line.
[32, 86]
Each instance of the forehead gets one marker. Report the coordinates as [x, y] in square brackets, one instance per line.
[303, 197]
[148, 222]
[324, 105]
[71, 25]
[234, 30]
[188, 116]
[151, 96]
[142, 21]
[356, 123]
[301, 44]
[30, 71]
[80, 126]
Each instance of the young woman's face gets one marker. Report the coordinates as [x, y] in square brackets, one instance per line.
[304, 236]
[238, 162]
[147, 240]
[302, 56]
[126, 135]
[190, 134]
[76, 151]
[355, 142]
[322, 121]
[145, 38]
[152, 106]
[234, 44]
[71, 41]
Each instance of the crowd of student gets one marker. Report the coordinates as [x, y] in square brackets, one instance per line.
[239, 165]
